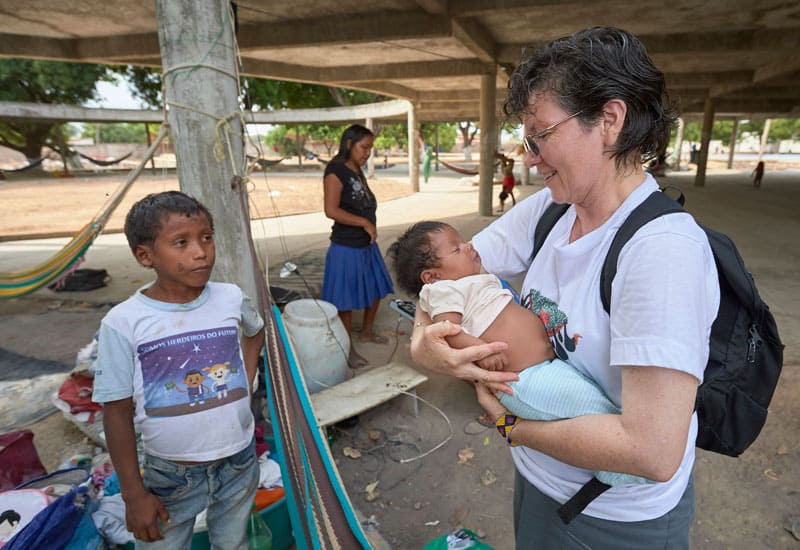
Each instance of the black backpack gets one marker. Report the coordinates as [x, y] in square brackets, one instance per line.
[746, 353]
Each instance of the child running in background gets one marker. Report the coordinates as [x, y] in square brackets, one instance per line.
[758, 174]
[178, 360]
[431, 261]
[507, 166]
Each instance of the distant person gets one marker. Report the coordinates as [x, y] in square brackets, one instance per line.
[758, 174]
[507, 166]
[162, 354]
[355, 275]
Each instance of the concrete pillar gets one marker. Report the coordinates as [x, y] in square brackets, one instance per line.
[201, 88]
[524, 172]
[370, 123]
[488, 142]
[436, 150]
[734, 134]
[413, 149]
[764, 136]
[678, 153]
[705, 139]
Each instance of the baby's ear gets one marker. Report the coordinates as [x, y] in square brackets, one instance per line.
[428, 276]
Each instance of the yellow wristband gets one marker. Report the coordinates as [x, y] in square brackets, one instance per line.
[505, 424]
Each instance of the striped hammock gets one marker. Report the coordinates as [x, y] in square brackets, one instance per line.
[14, 284]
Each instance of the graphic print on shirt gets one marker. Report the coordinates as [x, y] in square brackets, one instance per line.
[555, 322]
[192, 371]
[358, 191]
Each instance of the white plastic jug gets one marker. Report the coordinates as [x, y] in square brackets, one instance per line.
[320, 341]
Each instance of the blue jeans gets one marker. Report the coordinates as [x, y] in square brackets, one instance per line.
[226, 487]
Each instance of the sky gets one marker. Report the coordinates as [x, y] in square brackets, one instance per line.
[115, 96]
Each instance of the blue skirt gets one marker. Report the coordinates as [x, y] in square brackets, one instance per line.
[355, 277]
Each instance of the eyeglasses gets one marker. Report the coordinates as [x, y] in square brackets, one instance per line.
[529, 141]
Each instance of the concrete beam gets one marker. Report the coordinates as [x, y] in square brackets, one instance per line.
[38, 47]
[402, 71]
[11, 110]
[476, 38]
[324, 31]
[436, 7]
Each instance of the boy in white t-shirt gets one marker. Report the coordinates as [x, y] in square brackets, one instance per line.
[178, 359]
[433, 262]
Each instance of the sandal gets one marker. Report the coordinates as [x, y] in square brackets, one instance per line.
[375, 339]
[355, 361]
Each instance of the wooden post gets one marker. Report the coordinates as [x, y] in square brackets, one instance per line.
[200, 90]
[488, 142]
[705, 139]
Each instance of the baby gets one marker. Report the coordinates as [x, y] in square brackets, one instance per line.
[431, 261]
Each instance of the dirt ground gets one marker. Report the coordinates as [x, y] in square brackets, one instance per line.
[434, 470]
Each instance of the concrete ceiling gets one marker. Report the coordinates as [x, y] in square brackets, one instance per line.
[741, 54]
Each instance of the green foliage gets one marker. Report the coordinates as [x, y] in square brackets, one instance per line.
[447, 135]
[261, 93]
[37, 81]
[785, 128]
[143, 82]
[780, 129]
[115, 133]
[391, 135]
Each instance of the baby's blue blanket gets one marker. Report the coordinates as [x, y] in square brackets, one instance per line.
[555, 390]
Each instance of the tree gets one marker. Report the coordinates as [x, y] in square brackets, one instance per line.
[115, 132]
[35, 81]
[467, 137]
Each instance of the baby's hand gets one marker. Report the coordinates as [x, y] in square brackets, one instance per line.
[495, 362]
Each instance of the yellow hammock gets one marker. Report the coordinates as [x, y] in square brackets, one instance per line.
[14, 284]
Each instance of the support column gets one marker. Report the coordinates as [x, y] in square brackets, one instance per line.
[524, 172]
[734, 134]
[370, 123]
[705, 139]
[678, 153]
[488, 141]
[436, 150]
[200, 87]
[764, 136]
[413, 149]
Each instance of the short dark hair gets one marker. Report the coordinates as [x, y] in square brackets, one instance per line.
[353, 134]
[411, 254]
[144, 219]
[591, 67]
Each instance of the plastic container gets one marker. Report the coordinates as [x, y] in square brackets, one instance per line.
[320, 341]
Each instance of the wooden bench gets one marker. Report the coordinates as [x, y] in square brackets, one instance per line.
[365, 391]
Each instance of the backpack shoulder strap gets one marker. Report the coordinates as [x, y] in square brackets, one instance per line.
[550, 216]
[654, 206]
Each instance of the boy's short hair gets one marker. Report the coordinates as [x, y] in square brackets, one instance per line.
[412, 254]
[143, 222]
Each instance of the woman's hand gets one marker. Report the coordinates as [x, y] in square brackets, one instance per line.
[371, 230]
[489, 401]
[430, 350]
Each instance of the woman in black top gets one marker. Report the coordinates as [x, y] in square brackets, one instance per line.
[355, 274]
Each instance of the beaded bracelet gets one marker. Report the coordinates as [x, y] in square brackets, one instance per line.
[505, 424]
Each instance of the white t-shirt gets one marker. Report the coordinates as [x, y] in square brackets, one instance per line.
[478, 298]
[183, 365]
[664, 299]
